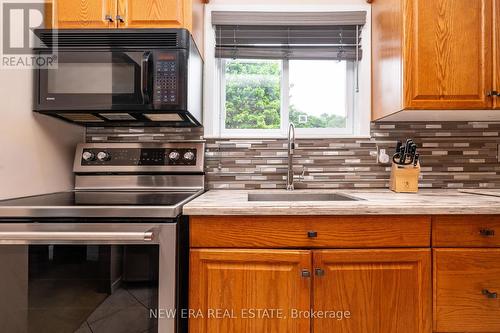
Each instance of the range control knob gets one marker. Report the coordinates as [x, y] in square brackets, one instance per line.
[103, 156]
[88, 156]
[188, 156]
[174, 155]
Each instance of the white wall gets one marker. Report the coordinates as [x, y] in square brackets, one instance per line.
[36, 152]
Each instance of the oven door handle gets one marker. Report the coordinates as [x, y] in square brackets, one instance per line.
[55, 236]
[145, 73]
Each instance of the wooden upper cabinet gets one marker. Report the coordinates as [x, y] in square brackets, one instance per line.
[151, 13]
[385, 291]
[83, 14]
[232, 282]
[92, 14]
[448, 62]
[431, 55]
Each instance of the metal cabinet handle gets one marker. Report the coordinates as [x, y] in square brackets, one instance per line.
[312, 234]
[119, 18]
[489, 294]
[319, 272]
[305, 273]
[487, 232]
[493, 93]
[76, 236]
[108, 18]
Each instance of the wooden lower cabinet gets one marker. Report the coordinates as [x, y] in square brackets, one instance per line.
[467, 290]
[230, 289]
[323, 291]
[384, 291]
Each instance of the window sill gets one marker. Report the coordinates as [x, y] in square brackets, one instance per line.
[298, 137]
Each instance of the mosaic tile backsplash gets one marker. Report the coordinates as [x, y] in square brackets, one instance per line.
[453, 155]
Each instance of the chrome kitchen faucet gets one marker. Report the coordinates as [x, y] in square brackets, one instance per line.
[291, 150]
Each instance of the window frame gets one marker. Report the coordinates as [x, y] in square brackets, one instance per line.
[285, 107]
[358, 116]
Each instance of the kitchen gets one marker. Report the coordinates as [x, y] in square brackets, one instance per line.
[250, 166]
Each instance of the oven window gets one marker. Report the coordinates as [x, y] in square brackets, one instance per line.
[92, 78]
[79, 288]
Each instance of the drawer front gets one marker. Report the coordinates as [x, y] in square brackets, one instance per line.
[466, 231]
[309, 232]
[467, 290]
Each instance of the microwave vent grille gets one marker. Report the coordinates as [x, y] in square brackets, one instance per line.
[137, 39]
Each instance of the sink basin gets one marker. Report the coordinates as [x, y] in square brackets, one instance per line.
[297, 196]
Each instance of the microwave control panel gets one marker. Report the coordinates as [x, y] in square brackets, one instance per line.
[166, 80]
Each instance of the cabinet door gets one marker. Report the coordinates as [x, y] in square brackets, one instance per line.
[384, 291]
[448, 61]
[82, 14]
[151, 13]
[496, 49]
[466, 290]
[248, 291]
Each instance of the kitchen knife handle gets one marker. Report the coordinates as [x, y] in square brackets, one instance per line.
[398, 146]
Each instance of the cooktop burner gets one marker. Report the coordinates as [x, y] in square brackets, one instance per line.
[101, 198]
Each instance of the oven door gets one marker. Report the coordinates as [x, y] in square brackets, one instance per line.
[65, 278]
[99, 80]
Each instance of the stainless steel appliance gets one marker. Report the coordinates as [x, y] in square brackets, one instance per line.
[121, 77]
[110, 256]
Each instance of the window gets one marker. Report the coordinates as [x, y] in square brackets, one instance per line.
[268, 94]
[272, 72]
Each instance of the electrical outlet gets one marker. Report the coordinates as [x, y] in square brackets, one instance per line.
[382, 156]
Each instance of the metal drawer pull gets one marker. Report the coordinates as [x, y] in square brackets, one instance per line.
[493, 93]
[108, 18]
[487, 232]
[76, 236]
[312, 234]
[319, 272]
[119, 18]
[489, 294]
[305, 273]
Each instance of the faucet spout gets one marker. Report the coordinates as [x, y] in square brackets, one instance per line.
[291, 151]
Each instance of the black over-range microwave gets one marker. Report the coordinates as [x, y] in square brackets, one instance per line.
[121, 77]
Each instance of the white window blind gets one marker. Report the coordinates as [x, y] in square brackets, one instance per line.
[289, 35]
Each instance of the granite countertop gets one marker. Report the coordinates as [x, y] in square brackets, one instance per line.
[374, 202]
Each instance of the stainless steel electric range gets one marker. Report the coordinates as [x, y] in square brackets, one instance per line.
[109, 256]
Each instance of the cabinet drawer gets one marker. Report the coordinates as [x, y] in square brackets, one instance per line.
[467, 290]
[466, 231]
[309, 231]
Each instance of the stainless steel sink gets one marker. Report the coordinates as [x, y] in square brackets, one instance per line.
[297, 196]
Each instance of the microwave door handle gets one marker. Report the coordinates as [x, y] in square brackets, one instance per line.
[145, 77]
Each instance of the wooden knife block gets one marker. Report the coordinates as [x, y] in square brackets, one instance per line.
[404, 179]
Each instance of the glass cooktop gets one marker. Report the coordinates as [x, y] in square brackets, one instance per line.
[101, 198]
